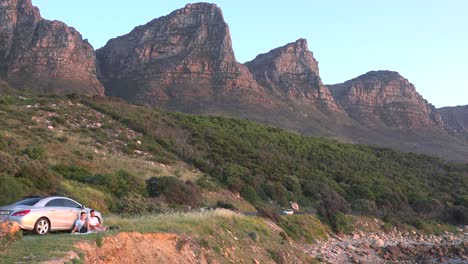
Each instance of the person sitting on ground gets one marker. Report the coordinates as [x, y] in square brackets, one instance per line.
[80, 225]
[94, 224]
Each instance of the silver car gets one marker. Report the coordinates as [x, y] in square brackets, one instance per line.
[44, 214]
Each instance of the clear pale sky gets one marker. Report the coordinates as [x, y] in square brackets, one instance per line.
[425, 40]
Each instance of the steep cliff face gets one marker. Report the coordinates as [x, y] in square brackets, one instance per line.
[386, 98]
[293, 71]
[186, 55]
[43, 55]
[455, 119]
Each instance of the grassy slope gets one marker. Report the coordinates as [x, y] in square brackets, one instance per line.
[93, 140]
[189, 146]
[106, 135]
[222, 232]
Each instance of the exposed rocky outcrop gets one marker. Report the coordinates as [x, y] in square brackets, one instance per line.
[455, 119]
[293, 71]
[185, 56]
[395, 246]
[385, 98]
[42, 55]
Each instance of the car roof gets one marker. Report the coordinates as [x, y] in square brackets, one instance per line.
[47, 199]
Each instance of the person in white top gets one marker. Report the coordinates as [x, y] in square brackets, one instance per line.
[94, 224]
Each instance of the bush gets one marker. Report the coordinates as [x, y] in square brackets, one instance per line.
[34, 152]
[456, 215]
[174, 190]
[136, 204]
[427, 207]
[72, 172]
[91, 197]
[249, 194]
[8, 144]
[119, 184]
[40, 177]
[364, 206]
[226, 205]
[268, 212]
[330, 201]
[11, 189]
[340, 223]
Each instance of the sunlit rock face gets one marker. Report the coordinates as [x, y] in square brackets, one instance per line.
[385, 98]
[292, 70]
[186, 55]
[44, 56]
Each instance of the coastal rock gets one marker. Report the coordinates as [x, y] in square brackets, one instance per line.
[44, 56]
[377, 243]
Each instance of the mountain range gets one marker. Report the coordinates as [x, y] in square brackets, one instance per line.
[185, 62]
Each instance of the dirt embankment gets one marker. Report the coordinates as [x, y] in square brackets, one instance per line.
[145, 248]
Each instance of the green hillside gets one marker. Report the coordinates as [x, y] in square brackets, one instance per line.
[119, 147]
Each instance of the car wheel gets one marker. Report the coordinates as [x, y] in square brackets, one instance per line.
[42, 226]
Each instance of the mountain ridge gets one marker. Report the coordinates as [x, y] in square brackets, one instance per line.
[184, 61]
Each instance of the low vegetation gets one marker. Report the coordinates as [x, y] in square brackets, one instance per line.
[131, 159]
[269, 164]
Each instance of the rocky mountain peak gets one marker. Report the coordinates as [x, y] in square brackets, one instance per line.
[456, 119]
[43, 55]
[293, 71]
[186, 54]
[386, 98]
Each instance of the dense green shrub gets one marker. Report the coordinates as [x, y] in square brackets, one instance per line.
[93, 197]
[249, 193]
[173, 190]
[11, 189]
[427, 207]
[269, 212]
[456, 215]
[135, 204]
[8, 144]
[34, 152]
[72, 172]
[119, 184]
[39, 177]
[340, 223]
[330, 202]
[34, 175]
[226, 205]
[364, 206]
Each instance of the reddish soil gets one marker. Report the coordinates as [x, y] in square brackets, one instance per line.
[146, 248]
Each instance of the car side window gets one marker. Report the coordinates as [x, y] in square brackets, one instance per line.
[72, 204]
[55, 202]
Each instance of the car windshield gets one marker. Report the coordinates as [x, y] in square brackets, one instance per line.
[29, 201]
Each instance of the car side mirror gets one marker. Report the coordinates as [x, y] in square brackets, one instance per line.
[83, 207]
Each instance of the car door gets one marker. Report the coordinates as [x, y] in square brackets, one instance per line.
[60, 215]
[73, 212]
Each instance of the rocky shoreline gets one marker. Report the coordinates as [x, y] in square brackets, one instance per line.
[393, 247]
